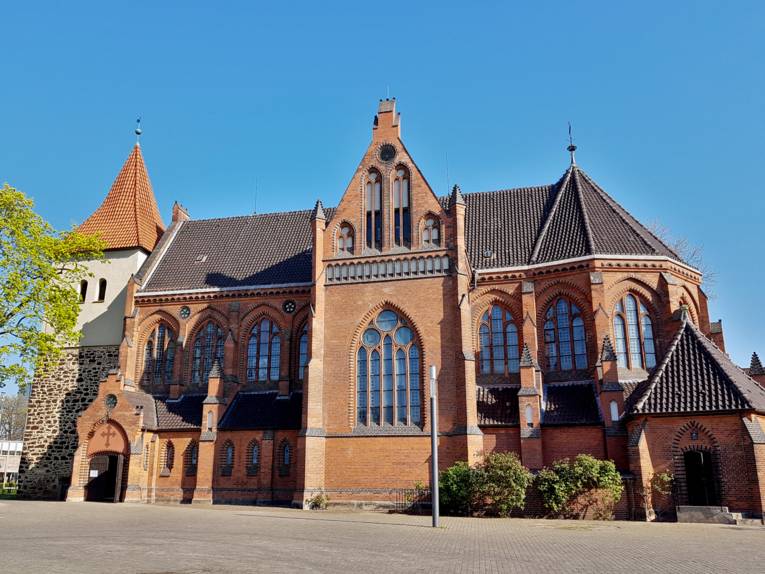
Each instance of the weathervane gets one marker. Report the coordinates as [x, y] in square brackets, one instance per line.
[138, 131]
[571, 147]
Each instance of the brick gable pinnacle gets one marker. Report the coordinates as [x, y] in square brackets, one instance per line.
[128, 217]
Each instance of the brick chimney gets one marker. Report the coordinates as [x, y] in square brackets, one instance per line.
[387, 122]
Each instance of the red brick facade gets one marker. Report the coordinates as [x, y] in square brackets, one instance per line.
[442, 298]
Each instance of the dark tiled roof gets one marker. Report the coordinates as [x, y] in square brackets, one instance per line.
[263, 411]
[497, 405]
[570, 404]
[267, 249]
[183, 413]
[144, 403]
[512, 227]
[696, 376]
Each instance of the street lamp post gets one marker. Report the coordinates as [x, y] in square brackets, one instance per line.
[434, 446]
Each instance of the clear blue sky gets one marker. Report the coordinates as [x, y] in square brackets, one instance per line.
[666, 99]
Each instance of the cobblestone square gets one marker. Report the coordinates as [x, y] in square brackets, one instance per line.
[152, 539]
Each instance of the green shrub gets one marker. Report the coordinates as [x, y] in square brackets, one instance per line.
[572, 489]
[318, 502]
[456, 490]
[494, 487]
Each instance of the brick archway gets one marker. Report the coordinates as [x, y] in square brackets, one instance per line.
[694, 437]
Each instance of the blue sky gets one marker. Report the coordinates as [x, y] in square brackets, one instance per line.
[666, 100]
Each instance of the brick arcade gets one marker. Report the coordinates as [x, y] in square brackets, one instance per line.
[267, 358]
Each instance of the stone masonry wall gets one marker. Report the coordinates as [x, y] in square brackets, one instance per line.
[58, 397]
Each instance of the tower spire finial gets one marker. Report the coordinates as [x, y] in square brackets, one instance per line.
[138, 131]
[571, 147]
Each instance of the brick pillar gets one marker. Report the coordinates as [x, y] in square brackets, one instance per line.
[128, 347]
[267, 467]
[465, 432]
[213, 408]
[755, 428]
[611, 390]
[530, 411]
[310, 443]
[529, 327]
[641, 467]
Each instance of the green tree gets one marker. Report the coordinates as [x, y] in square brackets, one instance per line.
[40, 269]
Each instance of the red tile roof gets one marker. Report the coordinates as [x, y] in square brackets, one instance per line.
[129, 216]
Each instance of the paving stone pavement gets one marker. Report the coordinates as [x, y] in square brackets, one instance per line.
[83, 538]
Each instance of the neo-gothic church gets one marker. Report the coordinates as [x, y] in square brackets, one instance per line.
[267, 358]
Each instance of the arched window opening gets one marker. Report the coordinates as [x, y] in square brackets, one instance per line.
[565, 337]
[345, 240]
[209, 421]
[83, 290]
[253, 458]
[286, 458]
[208, 346]
[101, 290]
[431, 232]
[388, 373]
[402, 219]
[169, 457]
[227, 466]
[159, 356]
[499, 342]
[529, 416]
[614, 408]
[192, 458]
[633, 332]
[374, 209]
[264, 352]
[303, 353]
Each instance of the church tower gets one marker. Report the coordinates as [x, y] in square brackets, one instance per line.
[129, 222]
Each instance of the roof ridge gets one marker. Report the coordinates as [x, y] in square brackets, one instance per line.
[504, 189]
[256, 215]
[625, 216]
[583, 209]
[542, 234]
[660, 369]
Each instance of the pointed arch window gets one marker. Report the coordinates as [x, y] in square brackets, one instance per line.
[303, 353]
[208, 346]
[388, 373]
[253, 458]
[431, 232]
[227, 459]
[285, 454]
[500, 346]
[159, 356]
[565, 337]
[402, 218]
[373, 200]
[633, 332]
[169, 461]
[191, 458]
[264, 352]
[345, 240]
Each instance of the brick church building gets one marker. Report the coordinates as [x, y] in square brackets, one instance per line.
[267, 358]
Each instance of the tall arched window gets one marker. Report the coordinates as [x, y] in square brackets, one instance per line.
[264, 352]
[345, 240]
[498, 338]
[388, 373]
[303, 353]
[169, 456]
[83, 290]
[431, 232]
[191, 458]
[633, 332]
[159, 356]
[253, 458]
[402, 219]
[101, 290]
[374, 209]
[208, 346]
[565, 337]
[227, 458]
[285, 455]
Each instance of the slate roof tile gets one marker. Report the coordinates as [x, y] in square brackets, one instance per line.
[178, 414]
[497, 405]
[263, 411]
[570, 404]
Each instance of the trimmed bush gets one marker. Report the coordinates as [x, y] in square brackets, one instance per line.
[586, 485]
[493, 487]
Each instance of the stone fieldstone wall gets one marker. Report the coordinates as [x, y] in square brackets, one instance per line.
[58, 397]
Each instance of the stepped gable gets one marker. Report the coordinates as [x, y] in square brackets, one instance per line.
[694, 377]
[128, 217]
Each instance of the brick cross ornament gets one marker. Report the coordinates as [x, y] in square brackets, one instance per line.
[108, 433]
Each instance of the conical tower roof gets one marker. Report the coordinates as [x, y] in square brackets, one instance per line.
[128, 217]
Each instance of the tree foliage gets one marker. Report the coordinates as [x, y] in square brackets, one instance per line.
[572, 488]
[40, 269]
[496, 486]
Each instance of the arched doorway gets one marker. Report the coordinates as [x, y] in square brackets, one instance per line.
[107, 463]
[701, 478]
